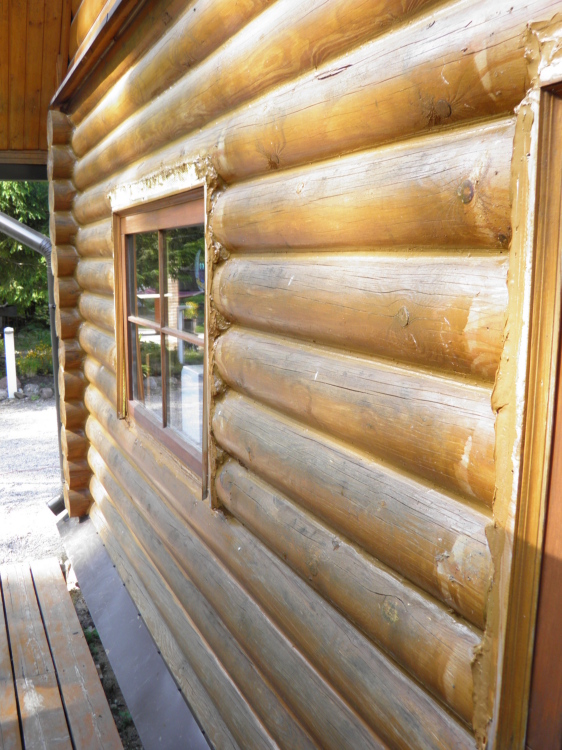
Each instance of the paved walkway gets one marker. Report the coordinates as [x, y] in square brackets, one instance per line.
[29, 476]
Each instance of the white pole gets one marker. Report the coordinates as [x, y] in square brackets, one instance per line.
[10, 351]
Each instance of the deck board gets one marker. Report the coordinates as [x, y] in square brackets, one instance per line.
[57, 689]
[9, 722]
[91, 722]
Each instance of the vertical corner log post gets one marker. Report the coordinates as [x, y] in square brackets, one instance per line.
[63, 229]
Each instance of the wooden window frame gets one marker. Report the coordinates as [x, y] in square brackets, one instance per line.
[184, 209]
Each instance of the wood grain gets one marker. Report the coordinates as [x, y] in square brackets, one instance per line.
[71, 384]
[85, 703]
[63, 260]
[198, 698]
[4, 74]
[450, 190]
[68, 321]
[77, 502]
[95, 241]
[203, 636]
[74, 443]
[96, 276]
[428, 426]
[17, 54]
[62, 228]
[9, 724]
[71, 354]
[103, 378]
[60, 162]
[433, 541]
[98, 309]
[444, 312]
[33, 72]
[187, 548]
[51, 45]
[61, 195]
[67, 292]
[422, 636]
[73, 414]
[98, 344]
[43, 720]
[283, 41]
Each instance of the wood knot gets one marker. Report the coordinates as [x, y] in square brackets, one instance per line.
[466, 191]
[403, 317]
[442, 109]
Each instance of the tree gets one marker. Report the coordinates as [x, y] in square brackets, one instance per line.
[23, 273]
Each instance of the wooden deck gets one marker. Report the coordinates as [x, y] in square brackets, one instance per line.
[50, 694]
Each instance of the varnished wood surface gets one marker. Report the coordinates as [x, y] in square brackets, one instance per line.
[294, 41]
[441, 311]
[184, 546]
[436, 428]
[432, 192]
[424, 535]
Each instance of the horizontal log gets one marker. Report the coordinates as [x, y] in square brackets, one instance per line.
[77, 502]
[99, 310]
[95, 241]
[59, 128]
[192, 38]
[73, 414]
[422, 636]
[62, 228]
[96, 276]
[60, 163]
[93, 205]
[444, 312]
[103, 378]
[282, 42]
[67, 291]
[449, 190]
[262, 698]
[442, 69]
[429, 426]
[239, 716]
[99, 345]
[71, 354]
[64, 259]
[177, 660]
[68, 321]
[324, 628]
[77, 474]
[151, 22]
[484, 73]
[434, 541]
[71, 384]
[74, 443]
[61, 195]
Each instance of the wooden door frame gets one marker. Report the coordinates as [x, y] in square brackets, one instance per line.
[542, 374]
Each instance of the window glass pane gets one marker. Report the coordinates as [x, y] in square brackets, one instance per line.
[185, 389]
[147, 292]
[185, 278]
[146, 360]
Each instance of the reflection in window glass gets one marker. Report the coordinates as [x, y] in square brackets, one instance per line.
[147, 369]
[185, 389]
[147, 292]
[185, 278]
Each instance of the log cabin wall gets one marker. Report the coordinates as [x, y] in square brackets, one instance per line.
[367, 174]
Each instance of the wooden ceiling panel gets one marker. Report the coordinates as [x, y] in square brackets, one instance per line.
[30, 51]
[18, 41]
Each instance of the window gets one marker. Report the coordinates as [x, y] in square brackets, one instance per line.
[161, 303]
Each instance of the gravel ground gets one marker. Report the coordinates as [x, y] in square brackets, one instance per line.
[29, 477]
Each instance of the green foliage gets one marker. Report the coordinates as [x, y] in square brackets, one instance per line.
[182, 247]
[33, 352]
[23, 275]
